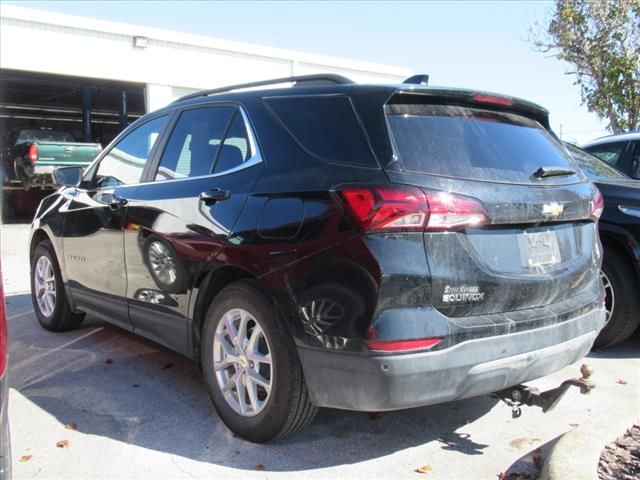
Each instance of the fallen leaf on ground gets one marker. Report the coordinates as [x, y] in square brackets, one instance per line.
[167, 366]
[108, 361]
[63, 444]
[70, 426]
[375, 415]
[260, 467]
[622, 381]
[537, 461]
[25, 458]
[424, 469]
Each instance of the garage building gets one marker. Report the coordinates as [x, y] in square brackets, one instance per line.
[94, 77]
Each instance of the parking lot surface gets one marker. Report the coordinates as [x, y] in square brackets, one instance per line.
[129, 408]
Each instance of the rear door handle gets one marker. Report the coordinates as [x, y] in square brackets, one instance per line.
[117, 202]
[214, 195]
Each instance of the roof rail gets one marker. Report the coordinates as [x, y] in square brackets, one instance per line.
[420, 79]
[315, 79]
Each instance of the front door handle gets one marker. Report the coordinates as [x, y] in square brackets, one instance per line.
[214, 195]
[117, 202]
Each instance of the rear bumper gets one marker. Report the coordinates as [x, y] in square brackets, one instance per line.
[371, 382]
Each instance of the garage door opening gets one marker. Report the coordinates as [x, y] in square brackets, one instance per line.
[90, 110]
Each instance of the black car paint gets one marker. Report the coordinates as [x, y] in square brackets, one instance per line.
[618, 190]
[296, 241]
[617, 226]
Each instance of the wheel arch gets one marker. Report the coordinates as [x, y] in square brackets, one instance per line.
[208, 286]
[612, 236]
[37, 237]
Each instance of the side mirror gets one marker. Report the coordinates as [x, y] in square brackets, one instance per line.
[67, 176]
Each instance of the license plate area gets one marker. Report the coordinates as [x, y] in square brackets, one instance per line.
[538, 249]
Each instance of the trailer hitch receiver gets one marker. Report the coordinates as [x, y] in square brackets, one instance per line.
[520, 395]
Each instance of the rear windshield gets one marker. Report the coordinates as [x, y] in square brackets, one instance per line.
[43, 136]
[474, 143]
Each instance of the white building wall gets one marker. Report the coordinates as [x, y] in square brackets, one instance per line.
[171, 65]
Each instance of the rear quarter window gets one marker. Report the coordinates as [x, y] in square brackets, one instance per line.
[325, 126]
[473, 143]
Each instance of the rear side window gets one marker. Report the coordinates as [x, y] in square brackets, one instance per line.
[326, 127]
[473, 143]
[235, 149]
[194, 142]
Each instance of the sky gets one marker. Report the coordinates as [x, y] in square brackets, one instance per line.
[468, 44]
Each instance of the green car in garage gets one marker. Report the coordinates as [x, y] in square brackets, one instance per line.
[31, 155]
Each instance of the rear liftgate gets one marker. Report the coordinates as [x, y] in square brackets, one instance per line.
[521, 395]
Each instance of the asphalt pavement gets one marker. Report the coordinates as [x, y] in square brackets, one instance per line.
[129, 408]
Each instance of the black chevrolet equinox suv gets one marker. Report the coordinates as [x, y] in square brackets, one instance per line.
[317, 243]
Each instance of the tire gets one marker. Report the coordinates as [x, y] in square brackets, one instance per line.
[286, 408]
[58, 316]
[622, 298]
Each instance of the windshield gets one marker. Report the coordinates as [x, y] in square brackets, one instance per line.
[476, 144]
[592, 166]
[44, 136]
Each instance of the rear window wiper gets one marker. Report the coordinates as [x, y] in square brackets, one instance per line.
[544, 172]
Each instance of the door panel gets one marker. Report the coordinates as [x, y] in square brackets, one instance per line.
[178, 224]
[94, 257]
[94, 216]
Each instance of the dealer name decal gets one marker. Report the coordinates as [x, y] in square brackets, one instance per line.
[462, 294]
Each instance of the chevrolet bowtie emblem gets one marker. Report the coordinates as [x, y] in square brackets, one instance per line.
[553, 209]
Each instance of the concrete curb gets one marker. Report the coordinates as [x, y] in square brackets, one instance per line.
[577, 453]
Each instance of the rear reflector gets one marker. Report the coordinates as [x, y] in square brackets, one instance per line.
[401, 345]
[404, 208]
[597, 206]
[33, 152]
[503, 102]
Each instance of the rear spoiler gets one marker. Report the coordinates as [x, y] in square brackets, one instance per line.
[466, 98]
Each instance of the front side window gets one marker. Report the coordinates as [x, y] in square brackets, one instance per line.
[124, 163]
[635, 161]
[609, 152]
[194, 142]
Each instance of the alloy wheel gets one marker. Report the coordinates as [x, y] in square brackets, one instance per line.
[610, 298]
[45, 286]
[242, 362]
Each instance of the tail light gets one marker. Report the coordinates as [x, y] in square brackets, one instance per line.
[597, 206]
[398, 345]
[4, 344]
[448, 210]
[399, 208]
[33, 152]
